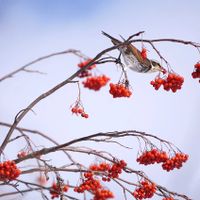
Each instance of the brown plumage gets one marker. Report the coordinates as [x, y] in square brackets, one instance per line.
[133, 59]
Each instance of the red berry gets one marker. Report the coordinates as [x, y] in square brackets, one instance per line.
[9, 171]
[172, 82]
[96, 82]
[144, 53]
[83, 64]
[57, 189]
[119, 90]
[175, 162]
[196, 73]
[168, 198]
[145, 190]
[78, 110]
[152, 156]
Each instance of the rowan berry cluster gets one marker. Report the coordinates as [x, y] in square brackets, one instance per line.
[116, 169]
[168, 198]
[84, 63]
[103, 194]
[21, 154]
[100, 167]
[145, 190]
[94, 186]
[96, 82]
[57, 189]
[119, 90]
[86, 72]
[196, 72]
[175, 162]
[156, 156]
[78, 110]
[152, 156]
[112, 171]
[89, 184]
[8, 171]
[173, 82]
[144, 53]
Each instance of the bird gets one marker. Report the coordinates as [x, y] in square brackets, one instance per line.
[133, 58]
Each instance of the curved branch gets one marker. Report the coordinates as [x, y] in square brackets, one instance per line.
[23, 68]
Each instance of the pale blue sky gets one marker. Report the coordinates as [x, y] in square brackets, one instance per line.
[30, 29]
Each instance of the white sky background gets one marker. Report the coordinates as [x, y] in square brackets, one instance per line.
[30, 29]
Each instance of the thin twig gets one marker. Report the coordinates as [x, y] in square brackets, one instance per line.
[23, 68]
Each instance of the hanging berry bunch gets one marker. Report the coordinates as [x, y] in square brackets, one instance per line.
[88, 184]
[119, 90]
[79, 110]
[57, 189]
[93, 185]
[103, 194]
[9, 171]
[168, 163]
[196, 72]
[152, 156]
[175, 162]
[172, 82]
[111, 170]
[145, 190]
[86, 72]
[116, 169]
[96, 82]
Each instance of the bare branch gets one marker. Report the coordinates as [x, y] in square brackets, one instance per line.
[23, 68]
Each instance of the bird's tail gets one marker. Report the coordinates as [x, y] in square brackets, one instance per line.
[114, 40]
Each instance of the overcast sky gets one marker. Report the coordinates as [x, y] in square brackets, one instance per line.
[30, 29]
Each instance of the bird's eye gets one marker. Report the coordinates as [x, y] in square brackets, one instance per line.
[153, 63]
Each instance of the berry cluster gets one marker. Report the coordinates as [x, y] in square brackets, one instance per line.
[196, 72]
[112, 171]
[119, 90]
[145, 190]
[152, 156]
[89, 184]
[144, 53]
[78, 110]
[156, 156]
[175, 162]
[57, 189]
[103, 194]
[84, 63]
[100, 167]
[96, 82]
[168, 198]
[116, 169]
[8, 171]
[94, 186]
[173, 82]
[21, 154]
[86, 72]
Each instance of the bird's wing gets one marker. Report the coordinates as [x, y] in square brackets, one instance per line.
[130, 50]
[114, 40]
